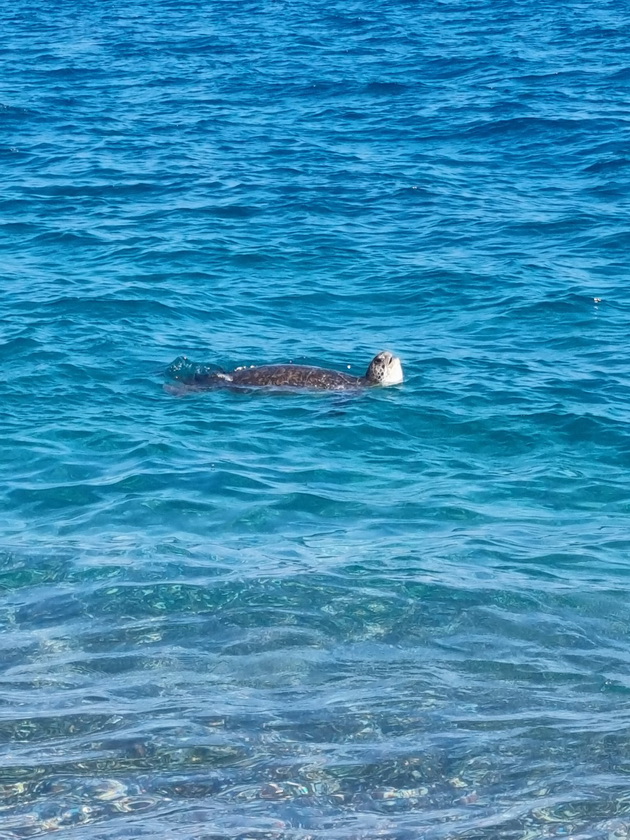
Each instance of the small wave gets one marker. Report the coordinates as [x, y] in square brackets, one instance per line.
[379, 88]
[608, 165]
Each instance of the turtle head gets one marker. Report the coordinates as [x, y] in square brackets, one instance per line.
[384, 369]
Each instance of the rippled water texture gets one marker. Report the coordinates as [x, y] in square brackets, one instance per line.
[398, 614]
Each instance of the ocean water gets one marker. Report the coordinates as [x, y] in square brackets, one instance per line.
[402, 614]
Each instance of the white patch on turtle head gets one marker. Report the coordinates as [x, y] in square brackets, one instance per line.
[385, 369]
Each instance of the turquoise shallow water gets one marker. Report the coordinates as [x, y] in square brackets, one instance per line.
[400, 615]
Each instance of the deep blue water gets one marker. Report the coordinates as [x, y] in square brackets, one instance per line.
[276, 616]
